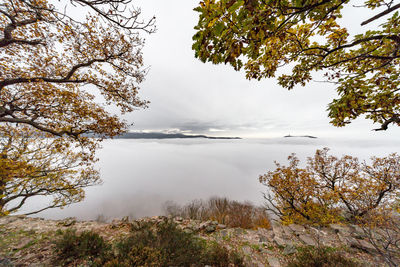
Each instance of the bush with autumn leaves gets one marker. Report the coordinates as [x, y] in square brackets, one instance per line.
[331, 189]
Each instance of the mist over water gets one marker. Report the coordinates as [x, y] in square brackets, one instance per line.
[139, 176]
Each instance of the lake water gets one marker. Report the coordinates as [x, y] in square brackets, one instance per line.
[139, 176]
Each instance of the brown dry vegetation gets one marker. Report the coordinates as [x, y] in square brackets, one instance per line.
[224, 211]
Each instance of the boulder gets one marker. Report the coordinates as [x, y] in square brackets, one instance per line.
[341, 229]
[221, 226]
[362, 245]
[307, 240]
[289, 249]
[210, 228]
[67, 222]
[298, 229]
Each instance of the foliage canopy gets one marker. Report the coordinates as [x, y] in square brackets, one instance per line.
[308, 36]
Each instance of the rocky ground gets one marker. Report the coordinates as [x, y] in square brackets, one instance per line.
[28, 241]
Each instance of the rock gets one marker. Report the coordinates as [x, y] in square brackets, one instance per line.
[125, 219]
[188, 231]
[287, 231]
[358, 232]
[22, 243]
[115, 223]
[340, 229]
[135, 225]
[297, 228]
[362, 245]
[258, 246]
[263, 239]
[204, 225]
[277, 230]
[267, 251]
[210, 228]
[342, 239]
[67, 222]
[178, 219]
[265, 236]
[307, 240]
[349, 240]
[280, 237]
[280, 241]
[289, 249]
[317, 232]
[274, 262]
[221, 226]
[328, 240]
[238, 231]
[196, 228]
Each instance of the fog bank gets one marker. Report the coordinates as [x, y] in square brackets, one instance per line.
[139, 176]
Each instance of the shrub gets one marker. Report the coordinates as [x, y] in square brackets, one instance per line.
[330, 189]
[320, 257]
[382, 231]
[85, 246]
[165, 244]
[149, 244]
[138, 256]
[216, 255]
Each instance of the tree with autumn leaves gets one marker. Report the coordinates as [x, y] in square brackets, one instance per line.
[53, 66]
[342, 190]
[308, 36]
[33, 166]
[331, 189]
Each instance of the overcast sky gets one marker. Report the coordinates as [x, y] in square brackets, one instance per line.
[188, 95]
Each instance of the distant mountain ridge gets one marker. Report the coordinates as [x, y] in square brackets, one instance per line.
[306, 136]
[156, 135]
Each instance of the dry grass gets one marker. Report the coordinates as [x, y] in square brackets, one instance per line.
[229, 212]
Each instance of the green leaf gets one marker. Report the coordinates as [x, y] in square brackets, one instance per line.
[235, 6]
[219, 27]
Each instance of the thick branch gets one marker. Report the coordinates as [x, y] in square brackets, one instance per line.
[384, 127]
[387, 11]
[41, 128]
[66, 79]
